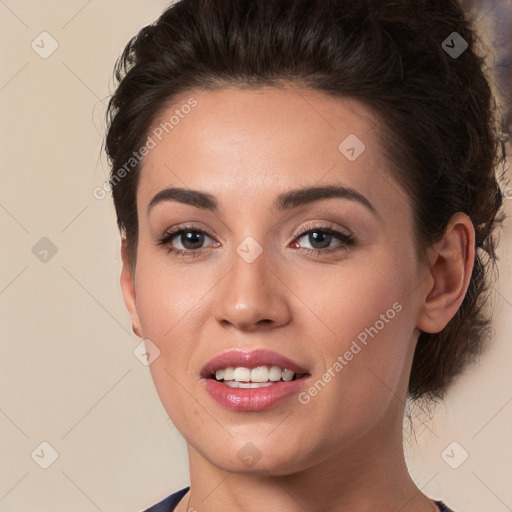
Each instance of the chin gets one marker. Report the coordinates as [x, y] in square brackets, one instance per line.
[256, 458]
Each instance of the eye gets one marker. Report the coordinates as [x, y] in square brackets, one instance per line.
[190, 238]
[321, 239]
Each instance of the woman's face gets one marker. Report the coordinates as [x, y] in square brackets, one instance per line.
[325, 277]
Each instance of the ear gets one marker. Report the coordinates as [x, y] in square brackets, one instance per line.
[128, 289]
[451, 264]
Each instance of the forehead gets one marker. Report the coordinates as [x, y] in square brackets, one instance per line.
[253, 143]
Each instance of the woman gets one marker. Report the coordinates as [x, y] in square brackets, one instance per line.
[307, 199]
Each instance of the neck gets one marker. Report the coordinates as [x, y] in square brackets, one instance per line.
[370, 474]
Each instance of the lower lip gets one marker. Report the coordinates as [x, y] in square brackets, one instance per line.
[253, 399]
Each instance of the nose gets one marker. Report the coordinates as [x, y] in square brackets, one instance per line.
[253, 295]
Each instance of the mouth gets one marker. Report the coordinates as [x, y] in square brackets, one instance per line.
[252, 381]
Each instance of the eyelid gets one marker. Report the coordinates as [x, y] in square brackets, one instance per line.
[324, 226]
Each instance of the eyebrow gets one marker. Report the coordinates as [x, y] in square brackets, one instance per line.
[285, 201]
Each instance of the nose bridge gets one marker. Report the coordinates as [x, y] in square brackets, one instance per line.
[252, 295]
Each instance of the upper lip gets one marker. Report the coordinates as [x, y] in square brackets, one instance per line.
[252, 359]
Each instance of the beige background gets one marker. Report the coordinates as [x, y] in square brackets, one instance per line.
[68, 373]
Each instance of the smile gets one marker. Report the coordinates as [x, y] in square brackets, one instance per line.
[261, 376]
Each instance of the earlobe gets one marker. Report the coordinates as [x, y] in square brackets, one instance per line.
[128, 290]
[452, 260]
[136, 331]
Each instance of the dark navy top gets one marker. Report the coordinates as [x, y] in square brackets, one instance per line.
[169, 504]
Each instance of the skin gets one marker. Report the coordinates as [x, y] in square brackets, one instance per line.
[343, 450]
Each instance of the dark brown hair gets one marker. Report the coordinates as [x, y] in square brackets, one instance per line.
[437, 111]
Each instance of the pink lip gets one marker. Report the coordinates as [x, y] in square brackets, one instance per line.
[255, 399]
[251, 399]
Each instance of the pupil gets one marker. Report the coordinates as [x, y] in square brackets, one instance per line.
[196, 239]
[316, 235]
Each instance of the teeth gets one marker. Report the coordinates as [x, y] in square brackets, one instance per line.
[275, 373]
[288, 375]
[260, 376]
[229, 374]
[242, 374]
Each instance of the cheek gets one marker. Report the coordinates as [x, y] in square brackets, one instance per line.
[343, 303]
[166, 307]
[168, 304]
[168, 299]
[364, 324]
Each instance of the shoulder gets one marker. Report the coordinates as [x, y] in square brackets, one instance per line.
[168, 504]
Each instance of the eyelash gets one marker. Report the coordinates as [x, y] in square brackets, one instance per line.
[346, 240]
